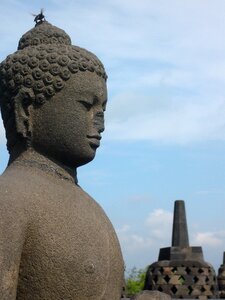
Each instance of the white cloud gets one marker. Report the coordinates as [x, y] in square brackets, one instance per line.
[209, 239]
[124, 229]
[179, 120]
[186, 57]
[159, 223]
[133, 243]
[143, 245]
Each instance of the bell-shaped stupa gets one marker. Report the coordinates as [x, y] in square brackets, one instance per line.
[181, 270]
[221, 279]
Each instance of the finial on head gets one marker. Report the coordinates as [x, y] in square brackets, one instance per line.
[40, 17]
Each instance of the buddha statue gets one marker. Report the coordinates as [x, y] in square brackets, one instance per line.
[56, 242]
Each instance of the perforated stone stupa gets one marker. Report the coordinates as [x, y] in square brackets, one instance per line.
[221, 278]
[181, 270]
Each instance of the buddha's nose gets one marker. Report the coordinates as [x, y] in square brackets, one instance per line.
[99, 123]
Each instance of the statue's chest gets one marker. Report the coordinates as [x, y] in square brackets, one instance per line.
[69, 247]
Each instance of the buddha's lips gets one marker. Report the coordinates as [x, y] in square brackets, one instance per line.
[94, 140]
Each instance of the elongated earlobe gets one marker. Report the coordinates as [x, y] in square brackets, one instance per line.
[23, 120]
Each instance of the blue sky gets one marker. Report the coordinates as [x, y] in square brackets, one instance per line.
[165, 120]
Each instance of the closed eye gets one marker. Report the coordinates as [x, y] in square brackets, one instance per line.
[86, 104]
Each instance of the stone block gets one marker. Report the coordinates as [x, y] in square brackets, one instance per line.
[151, 295]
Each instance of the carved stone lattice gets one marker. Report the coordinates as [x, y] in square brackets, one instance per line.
[182, 280]
[221, 279]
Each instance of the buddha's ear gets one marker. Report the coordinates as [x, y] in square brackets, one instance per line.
[22, 103]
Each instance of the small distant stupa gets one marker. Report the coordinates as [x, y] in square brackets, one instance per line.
[181, 270]
[221, 278]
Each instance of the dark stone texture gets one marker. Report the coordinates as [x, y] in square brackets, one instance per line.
[56, 242]
[151, 295]
[41, 68]
[221, 279]
[180, 249]
[180, 230]
[180, 253]
[181, 270]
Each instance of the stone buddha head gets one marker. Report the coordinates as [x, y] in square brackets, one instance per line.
[53, 96]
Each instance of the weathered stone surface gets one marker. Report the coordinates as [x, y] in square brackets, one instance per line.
[221, 279]
[151, 295]
[180, 231]
[56, 242]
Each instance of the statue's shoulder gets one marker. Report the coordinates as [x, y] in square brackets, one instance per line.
[13, 206]
[11, 177]
[15, 188]
[8, 185]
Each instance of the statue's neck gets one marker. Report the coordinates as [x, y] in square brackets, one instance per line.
[33, 159]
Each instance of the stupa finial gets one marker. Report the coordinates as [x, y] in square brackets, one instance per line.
[180, 229]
